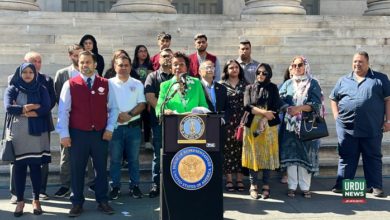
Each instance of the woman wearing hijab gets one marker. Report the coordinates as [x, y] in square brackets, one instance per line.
[260, 150]
[88, 42]
[27, 103]
[300, 158]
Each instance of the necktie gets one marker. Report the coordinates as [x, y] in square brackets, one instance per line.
[89, 83]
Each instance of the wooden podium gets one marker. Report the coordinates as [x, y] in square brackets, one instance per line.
[191, 168]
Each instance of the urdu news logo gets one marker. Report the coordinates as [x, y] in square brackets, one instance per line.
[354, 191]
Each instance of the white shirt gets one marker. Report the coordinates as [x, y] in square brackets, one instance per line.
[127, 94]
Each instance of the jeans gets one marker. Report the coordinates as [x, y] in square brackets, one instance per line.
[157, 144]
[128, 138]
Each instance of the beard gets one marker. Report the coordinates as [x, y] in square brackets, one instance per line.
[201, 50]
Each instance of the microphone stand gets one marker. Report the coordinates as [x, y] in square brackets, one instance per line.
[166, 100]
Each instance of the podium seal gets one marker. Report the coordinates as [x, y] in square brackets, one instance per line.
[192, 127]
[191, 168]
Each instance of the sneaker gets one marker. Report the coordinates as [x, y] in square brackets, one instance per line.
[154, 191]
[91, 188]
[149, 146]
[43, 196]
[13, 199]
[115, 192]
[135, 192]
[378, 193]
[62, 192]
[105, 208]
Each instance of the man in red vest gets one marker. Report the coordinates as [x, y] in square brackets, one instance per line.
[87, 114]
[201, 55]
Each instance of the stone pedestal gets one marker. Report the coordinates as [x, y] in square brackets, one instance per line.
[19, 5]
[257, 7]
[378, 7]
[158, 6]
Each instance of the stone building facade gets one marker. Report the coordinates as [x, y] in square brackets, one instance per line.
[226, 7]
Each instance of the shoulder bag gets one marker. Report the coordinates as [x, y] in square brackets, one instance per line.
[7, 153]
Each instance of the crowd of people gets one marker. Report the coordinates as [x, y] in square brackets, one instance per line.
[103, 116]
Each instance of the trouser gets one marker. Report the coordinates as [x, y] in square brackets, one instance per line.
[298, 175]
[145, 117]
[87, 144]
[349, 152]
[44, 173]
[253, 176]
[128, 138]
[157, 144]
[20, 180]
[65, 169]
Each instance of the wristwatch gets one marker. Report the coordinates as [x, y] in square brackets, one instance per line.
[130, 113]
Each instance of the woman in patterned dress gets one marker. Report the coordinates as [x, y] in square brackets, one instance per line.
[260, 150]
[235, 83]
[300, 158]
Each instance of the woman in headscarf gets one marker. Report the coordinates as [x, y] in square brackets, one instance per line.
[300, 158]
[260, 150]
[88, 42]
[27, 103]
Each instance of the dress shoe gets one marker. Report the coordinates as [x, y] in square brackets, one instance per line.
[19, 209]
[335, 190]
[75, 211]
[37, 210]
[105, 208]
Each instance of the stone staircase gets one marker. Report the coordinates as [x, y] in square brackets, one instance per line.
[327, 41]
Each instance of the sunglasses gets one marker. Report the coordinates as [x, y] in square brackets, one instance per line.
[263, 73]
[296, 66]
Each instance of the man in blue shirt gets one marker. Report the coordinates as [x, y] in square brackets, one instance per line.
[359, 102]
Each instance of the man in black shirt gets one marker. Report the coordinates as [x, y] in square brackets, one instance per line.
[152, 89]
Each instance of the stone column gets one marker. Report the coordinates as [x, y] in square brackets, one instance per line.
[257, 7]
[378, 7]
[158, 6]
[19, 5]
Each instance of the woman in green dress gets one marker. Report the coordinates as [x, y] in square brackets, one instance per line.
[183, 92]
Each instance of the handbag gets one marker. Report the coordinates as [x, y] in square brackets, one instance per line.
[7, 153]
[313, 126]
[239, 132]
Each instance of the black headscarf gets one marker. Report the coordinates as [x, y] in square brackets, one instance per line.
[36, 94]
[260, 90]
[264, 95]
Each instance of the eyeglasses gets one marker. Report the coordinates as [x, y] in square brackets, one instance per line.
[296, 66]
[263, 73]
[209, 68]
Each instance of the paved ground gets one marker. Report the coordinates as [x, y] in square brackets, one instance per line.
[323, 205]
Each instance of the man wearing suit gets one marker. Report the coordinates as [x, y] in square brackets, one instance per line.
[216, 94]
